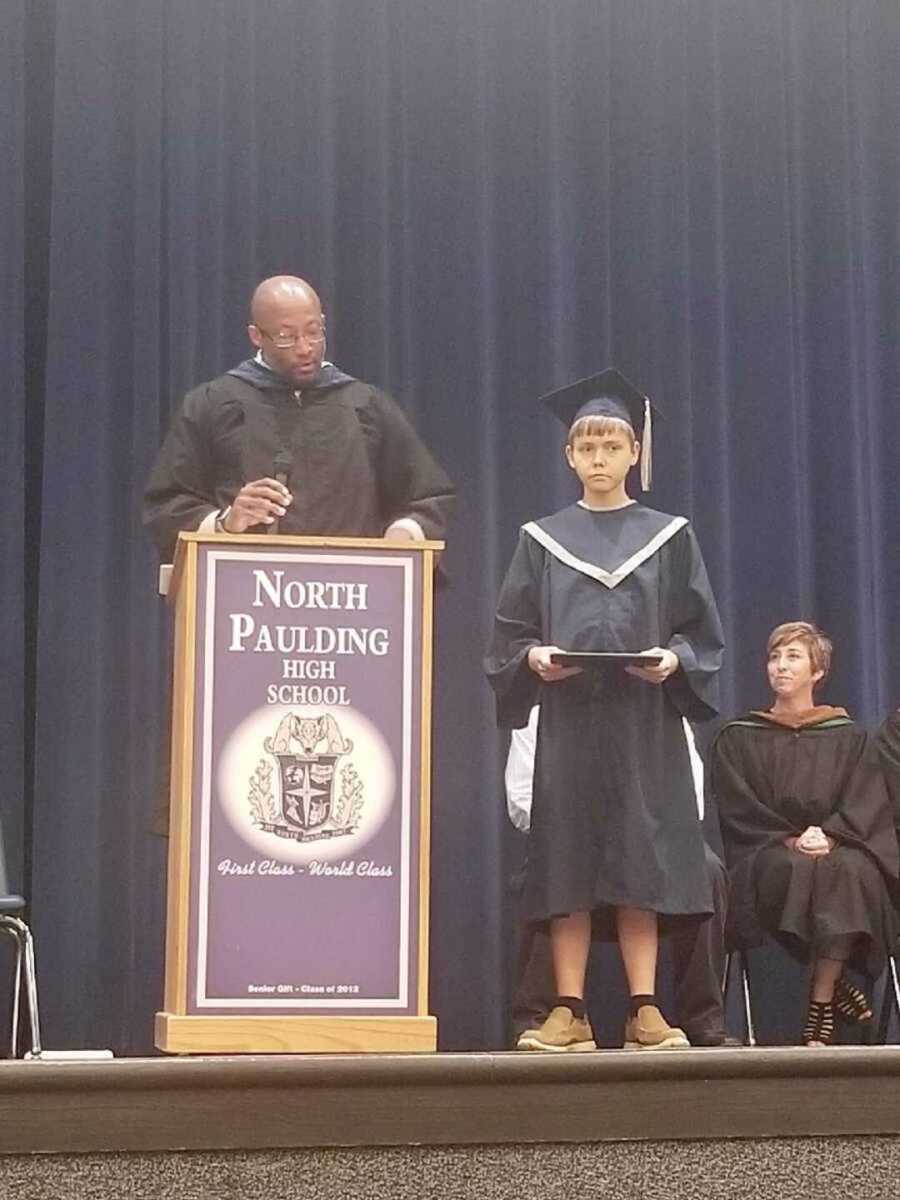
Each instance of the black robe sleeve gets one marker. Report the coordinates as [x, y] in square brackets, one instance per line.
[887, 743]
[410, 482]
[747, 822]
[862, 816]
[697, 639]
[181, 490]
[748, 825]
[517, 627]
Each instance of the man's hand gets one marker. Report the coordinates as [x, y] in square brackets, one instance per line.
[546, 671]
[257, 503]
[659, 674]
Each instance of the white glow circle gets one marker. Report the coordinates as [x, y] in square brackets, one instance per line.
[370, 757]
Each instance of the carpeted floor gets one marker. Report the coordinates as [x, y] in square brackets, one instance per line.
[789, 1169]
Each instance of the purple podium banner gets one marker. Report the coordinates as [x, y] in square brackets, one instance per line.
[306, 781]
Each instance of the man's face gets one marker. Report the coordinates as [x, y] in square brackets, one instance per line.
[291, 335]
[602, 460]
[790, 669]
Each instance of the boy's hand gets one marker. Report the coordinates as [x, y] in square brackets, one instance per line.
[546, 671]
[668, 666]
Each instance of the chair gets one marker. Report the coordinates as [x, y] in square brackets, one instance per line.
[12, 924]
[890, 1000]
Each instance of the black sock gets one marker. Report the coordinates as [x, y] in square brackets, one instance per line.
[639, 1002]
[573, 1003]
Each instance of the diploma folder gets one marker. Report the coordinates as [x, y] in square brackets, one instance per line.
[593, 658]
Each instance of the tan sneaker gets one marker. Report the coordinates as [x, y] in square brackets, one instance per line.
[649, 1030]
[561, 1032]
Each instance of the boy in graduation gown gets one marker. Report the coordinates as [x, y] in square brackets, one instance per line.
[698, 948]
[615, 843]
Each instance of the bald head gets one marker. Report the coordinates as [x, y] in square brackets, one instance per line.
[288, 327]
[275, 294]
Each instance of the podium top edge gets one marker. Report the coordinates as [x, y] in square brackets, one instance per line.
[170, 573]
[342, 543]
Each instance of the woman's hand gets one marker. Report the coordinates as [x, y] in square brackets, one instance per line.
[546, 671]
[814, 842]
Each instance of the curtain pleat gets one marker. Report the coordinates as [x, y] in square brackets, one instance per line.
[12, 443]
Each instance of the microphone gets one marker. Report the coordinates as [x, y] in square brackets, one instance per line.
[280, 471]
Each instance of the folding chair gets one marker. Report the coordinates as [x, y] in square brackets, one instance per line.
[12, 924]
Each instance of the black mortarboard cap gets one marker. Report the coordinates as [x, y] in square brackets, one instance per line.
[608, 394]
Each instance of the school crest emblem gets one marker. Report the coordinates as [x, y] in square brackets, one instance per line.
[314, 796]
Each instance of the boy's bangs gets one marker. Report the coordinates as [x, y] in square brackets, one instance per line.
[598, 426]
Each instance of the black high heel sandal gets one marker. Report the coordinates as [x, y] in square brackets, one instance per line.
[851, 1004]
[819, 1027]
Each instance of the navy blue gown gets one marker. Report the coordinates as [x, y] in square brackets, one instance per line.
[614, 819]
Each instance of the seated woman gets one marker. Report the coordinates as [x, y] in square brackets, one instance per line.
[808, 832]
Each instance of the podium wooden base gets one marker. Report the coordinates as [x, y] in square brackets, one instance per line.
[177, 1034]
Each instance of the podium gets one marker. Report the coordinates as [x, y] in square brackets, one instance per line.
[297, 906]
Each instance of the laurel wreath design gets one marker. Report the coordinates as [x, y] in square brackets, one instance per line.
[262, 802]
[351, 799]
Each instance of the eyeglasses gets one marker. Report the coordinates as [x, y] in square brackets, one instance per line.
[314, 336]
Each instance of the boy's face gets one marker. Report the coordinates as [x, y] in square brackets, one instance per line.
[602, 461]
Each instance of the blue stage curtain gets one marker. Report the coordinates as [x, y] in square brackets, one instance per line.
[493, 199]
[12, 441]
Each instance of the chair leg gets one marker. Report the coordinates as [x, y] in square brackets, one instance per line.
[884, 1015]
[745, 987]
[890, 998]
[891, 992]
[21, 934]
[31, 992]
[8, 926]
[750, 1038]
[17, 1000]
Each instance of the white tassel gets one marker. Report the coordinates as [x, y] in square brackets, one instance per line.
[647, 448]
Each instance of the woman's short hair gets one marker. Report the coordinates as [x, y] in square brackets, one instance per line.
[818, 646]
[595, 425]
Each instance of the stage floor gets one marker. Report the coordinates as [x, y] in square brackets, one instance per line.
[319, 1101]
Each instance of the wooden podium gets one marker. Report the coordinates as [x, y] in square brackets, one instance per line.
[299, 832]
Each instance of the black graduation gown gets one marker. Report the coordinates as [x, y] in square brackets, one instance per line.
[887, 743]
[357, 463]
[614, 817]
[772, 782]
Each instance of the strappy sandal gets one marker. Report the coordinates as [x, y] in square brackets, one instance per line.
[851, 1004]
[819, 1027]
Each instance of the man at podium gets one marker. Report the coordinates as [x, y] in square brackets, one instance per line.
[287, 442]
